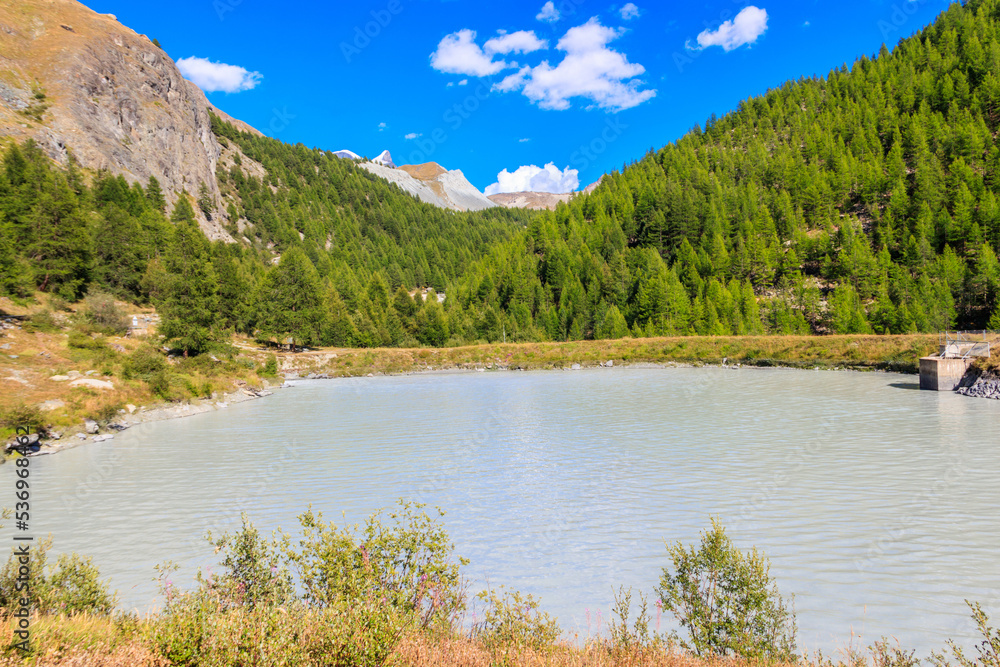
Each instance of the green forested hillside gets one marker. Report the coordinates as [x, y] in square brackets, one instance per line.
[866, 201]
[863, 201]
[346, 240]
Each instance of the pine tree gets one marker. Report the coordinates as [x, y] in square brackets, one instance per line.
[290, 300]
[9, 278]
[847, 313]
[338, 328]
[58, 243]
[155, 195]
[205, 201]
[189, 302]
[432, 325]
[614, 325]
[994, 323]
[119, 253]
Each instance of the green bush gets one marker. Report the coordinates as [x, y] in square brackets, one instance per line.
[82, 341]
[182, 632]
[988, 649]
[103, 312]
[190, 386]
[361, 588]
[144, 364]
[885, 654]
[21, 415]
[628, 639]
[107, 413]
[56, 302]
[73, 586]
[514, 620]
[727, 601]
[159, 384]
[270, 367]
[253, 574]
[43, 321]
[400, 565]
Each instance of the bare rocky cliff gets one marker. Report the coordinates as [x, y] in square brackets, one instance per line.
[434, 184]
[538, 201]
[79, 81]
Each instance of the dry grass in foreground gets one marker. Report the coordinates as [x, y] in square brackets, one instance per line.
[423, 652]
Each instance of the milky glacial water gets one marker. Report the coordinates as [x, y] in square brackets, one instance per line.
[876, 503]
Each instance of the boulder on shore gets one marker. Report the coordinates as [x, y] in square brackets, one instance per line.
[92, 383]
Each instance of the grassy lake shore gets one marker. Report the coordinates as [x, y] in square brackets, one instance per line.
[37, 368]
[887, 353]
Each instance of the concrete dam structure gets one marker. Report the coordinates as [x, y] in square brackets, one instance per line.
[958, 351]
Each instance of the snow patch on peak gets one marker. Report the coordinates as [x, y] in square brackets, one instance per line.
[385, 159]
[347, 155]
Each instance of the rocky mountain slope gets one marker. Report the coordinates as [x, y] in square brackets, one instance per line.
[81, 83]
[435, 185]
[537, 201]
[78, 81]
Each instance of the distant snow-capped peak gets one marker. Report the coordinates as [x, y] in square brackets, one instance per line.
[347, 155]
[385, 159]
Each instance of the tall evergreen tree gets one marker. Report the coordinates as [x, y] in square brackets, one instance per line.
[290, 301]
[189, 302]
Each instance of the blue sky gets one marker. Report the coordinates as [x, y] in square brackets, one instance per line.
[584, 85]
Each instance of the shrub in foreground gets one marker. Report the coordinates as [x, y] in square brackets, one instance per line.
[988, 650]
[103, 312]
[726, 601]
[362, 588]
[73, 586]
[21, 415]
[512, 619]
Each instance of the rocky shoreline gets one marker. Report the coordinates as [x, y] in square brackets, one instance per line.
[92, 431]
[986, 385]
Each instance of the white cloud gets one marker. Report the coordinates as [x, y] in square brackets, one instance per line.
[412, 135]
[629, 11]
[463, 82]
[382, 126]
[748, 25]
[215, 77]
[531, 178]
[458, 53]
[549, 13]
[590, 70]
[522, 41]
[523, 141]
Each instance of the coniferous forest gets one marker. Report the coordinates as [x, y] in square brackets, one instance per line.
[862, 202]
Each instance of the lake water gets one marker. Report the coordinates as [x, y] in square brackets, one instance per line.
[876, 503]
